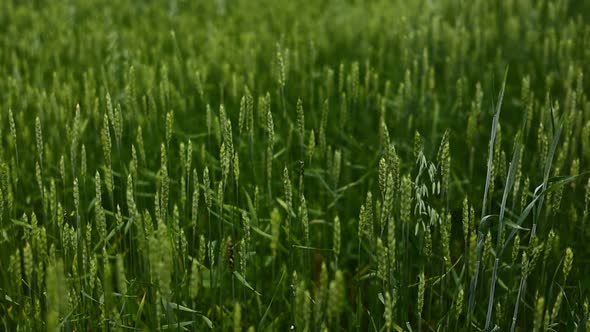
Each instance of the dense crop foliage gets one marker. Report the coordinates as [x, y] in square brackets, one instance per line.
[294, 165]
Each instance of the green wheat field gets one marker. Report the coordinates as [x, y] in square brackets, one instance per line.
[295, 165]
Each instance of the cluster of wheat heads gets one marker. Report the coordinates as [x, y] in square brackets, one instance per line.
[285, 165]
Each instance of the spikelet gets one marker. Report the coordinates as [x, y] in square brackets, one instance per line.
[14, 267]
[329, 81]
[321, 294]
[209, 119]
[369, 217]
[471, 130]
[236, 168]
[525, 193]
[311, 145]
[322, 131]
[269, 147]
[220, 197]
[12, 127]
[119, 217]
[227, 131]
[237, 317]
[195, 279]
[2, 206]
[195, 198]
[93, 271]
[549, 245]
[161, 258]
[107, 282]
[556, 306]
[157, 209]
[382, 256]
[288, 190]
[539, 310]
[99, 215]
[300, 123]
[502, 164]
[518, 177]
[169, 127]
[302, 307]
[245, 242]
[39, 177]
[336, 299]
[487, 248]
[362, 230]
[472, 253]
[354, 81]
[417, 145]
[121, 280]
[55, 283]
[575, 167]
[383, 176]
[28, 262]
[465, 221]
[304, 219]
[343, 115]
[421, 291]
[106, 148]
[207, 188]
[83, 163]
[394, 168]
[7, 187]
[243, 255]
[275, 222]
[515, 248]
[62, 169]
[530, 262]
[256, 199]
[499, 311]
[337, 236]
[281, 78]
[39, 140]
[555, 200]
[76, 192]
[445, 238]
[567, 263]
[130, 90]
[131, 207]
[164, 180]
[75, 138]
[406, 199]
[41, 244]
[110, 110]
[542, 144]
[249, 122]
[202, 248]
[458, 304]
[336, 167]
[224, 160]
[388, 201]
[188, 158]
[242, 117]
[585, 140]
[427, 248]
[391, 245]
[306, 309]
[388, 314]
[140, 144]
[267, 114]
[444, 162]
[60, 216]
